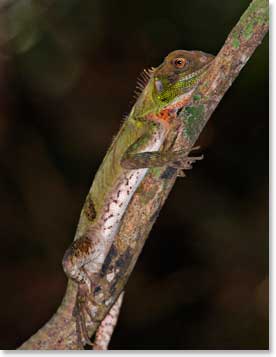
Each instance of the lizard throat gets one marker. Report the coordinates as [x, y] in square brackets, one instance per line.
[169, 113]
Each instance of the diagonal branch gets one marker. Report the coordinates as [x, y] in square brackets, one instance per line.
[59, 332]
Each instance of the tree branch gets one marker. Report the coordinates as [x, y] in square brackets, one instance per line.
[107, 326]
[59, 332]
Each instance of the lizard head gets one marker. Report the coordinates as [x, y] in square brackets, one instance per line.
[172, 81]
[178, 74]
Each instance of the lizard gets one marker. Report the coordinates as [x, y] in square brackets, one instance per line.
[164, 90]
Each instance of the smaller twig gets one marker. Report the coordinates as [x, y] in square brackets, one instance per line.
[107, 326]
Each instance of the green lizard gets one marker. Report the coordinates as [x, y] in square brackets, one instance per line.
[136, 148]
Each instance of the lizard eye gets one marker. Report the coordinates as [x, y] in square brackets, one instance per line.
[180, 62]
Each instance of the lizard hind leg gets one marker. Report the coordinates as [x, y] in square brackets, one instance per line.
[80, 255]
[74, 259]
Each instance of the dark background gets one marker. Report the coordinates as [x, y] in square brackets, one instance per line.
[67, 73]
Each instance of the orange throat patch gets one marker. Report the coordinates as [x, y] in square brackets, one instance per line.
[169, 113]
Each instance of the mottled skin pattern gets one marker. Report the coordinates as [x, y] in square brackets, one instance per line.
[137, 147]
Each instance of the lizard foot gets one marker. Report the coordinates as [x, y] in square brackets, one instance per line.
[182, 161]
[81, 310]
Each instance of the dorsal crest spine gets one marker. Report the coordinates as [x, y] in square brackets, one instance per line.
[141, 83]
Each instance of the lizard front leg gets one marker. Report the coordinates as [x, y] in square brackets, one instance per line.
[177, 159]
[83, 252]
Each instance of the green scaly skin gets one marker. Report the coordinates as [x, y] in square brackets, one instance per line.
[136, 148]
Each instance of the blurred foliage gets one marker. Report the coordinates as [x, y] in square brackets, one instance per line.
[67, 74]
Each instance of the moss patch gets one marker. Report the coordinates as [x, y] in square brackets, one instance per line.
[248, 31]
[197, 97]
[193, 116]
[236, 43]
